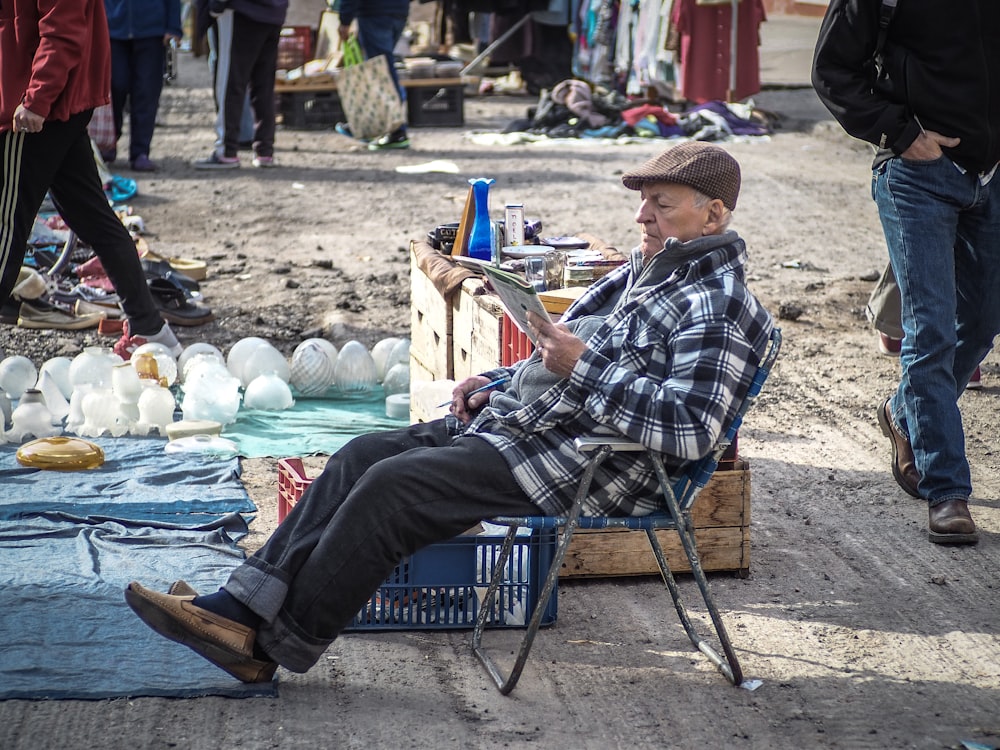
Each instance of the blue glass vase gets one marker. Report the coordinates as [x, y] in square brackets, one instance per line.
[480, 243]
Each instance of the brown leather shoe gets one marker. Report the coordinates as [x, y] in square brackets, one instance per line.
[904, 469]
[951, 523]
[225, 643]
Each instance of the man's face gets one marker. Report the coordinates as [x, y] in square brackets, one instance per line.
[670, 210]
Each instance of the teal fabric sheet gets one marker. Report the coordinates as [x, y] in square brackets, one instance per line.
[66, 629]
[313, 426]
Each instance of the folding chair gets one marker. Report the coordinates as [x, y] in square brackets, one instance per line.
[678, 500]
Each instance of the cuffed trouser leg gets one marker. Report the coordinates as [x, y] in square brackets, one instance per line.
[381, 497]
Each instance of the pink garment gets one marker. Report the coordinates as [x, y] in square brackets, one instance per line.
[575, 96]
[632, 115]
[704, 54]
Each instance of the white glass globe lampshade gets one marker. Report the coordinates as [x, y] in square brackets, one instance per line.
[92, 366]
[198, 349]
[397, 380]
[268, 392]
[381, 352]
[312, 368]
[240, 353]
[210, 392]
[264, 359]
[355, 369]
[166, 365]
[58, 368]
[400, 354]
[17, 374]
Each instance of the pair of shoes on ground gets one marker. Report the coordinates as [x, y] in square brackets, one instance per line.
[227, 644]
[129, 342]
[947, 523]
[215, 160]
[891, 347]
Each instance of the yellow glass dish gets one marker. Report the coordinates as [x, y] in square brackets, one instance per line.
[60, 454]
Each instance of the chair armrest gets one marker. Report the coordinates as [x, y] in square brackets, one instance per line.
[590, 444]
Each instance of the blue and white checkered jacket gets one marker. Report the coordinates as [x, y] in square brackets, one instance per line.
[667, 369]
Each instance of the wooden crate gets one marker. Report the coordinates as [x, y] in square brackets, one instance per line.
[431, 320]
[721, 518]
[476, 331]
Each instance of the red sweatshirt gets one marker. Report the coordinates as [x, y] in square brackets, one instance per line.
[55, 57]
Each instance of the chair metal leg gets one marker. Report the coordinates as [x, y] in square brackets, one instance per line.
[730, 666]
[506, 684]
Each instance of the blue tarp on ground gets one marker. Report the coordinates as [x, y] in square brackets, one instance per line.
[66, 629]
[137, 482]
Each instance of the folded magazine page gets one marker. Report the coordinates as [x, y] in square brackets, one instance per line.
[517, 296]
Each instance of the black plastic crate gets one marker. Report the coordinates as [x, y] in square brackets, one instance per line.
[435, 106]
[310, 110]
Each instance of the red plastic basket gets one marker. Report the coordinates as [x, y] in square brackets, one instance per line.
[292, 482]
[515, 345]
[294, 47]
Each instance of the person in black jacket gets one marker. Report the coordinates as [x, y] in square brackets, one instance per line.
[247, 33]
[922, 85]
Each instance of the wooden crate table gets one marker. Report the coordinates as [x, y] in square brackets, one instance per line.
[430, 102]
[457, 330]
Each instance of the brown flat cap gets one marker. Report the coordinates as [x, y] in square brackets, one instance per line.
[707, 168]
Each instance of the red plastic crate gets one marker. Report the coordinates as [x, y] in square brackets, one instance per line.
[294, 47]
[514, 345]
[292, 482]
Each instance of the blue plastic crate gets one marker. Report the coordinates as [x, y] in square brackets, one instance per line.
[440, 586]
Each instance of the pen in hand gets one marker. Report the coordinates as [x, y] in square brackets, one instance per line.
[492, 384]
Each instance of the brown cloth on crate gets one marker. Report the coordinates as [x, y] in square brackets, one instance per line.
[443, 272]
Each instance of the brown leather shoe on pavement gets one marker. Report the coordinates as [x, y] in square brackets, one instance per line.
[225, 643]
[951, 523]
[904, 469]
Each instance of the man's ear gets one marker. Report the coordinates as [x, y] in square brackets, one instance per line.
[716, 216]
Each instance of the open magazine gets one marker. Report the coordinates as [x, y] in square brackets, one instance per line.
[517, 296]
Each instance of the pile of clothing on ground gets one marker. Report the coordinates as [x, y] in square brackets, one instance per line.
[575, 109]
[63, 286]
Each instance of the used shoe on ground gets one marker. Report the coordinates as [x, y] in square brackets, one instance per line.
[396, 139]
[225, 643]
[904, 469]
[42, 313]
[951, 523]
[215, 160]
[29, 285]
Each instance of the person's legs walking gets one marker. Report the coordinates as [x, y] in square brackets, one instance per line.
[121, 85]
[919, 205]
[78, 196]
[221, 39]
[261, 85]
[147, 85]
[28, 161]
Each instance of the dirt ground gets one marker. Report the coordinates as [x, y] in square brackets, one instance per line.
[863, 633]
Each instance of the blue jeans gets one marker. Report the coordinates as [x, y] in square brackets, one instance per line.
[378, 35]
[137, 77]
[942, 229]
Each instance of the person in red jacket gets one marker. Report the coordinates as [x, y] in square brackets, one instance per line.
[55, 68]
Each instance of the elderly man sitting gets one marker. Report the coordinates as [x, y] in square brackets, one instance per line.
[661, 350]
